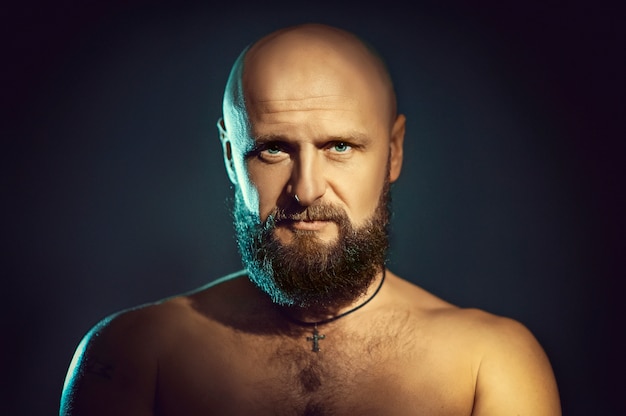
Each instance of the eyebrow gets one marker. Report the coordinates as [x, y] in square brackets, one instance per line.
[354, 137]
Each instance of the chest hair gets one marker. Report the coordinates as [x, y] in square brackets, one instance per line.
[334, 380]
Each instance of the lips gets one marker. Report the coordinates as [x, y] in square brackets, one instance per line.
[308, 225]
[303, 224]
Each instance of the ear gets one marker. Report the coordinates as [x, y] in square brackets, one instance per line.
[228, 151]
[396, 147]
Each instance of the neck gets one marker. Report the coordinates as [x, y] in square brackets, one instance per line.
[322, 314]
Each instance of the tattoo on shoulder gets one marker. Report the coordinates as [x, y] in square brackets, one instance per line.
[97, 367]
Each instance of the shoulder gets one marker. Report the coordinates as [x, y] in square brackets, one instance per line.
[149, 328]
[133, 337]
[492, 339]
[511, 371]
[514, 373]
[133, 329]
[116, 363]
[489, 336]
[114, 367]
[484, 331]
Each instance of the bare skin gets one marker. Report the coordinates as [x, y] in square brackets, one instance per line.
[226, 351]
[320, 113]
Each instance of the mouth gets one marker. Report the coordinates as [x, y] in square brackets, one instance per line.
[323, 229]
[306, 225]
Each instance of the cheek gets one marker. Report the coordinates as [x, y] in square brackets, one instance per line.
[362, 192]
[267, 184]
[246, 187]
[369, 197]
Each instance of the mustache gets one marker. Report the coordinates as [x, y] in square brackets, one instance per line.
[321, 212]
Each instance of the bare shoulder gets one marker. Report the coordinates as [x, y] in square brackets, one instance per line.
[114, 368]
[483, 329]
[478, 330]
[115, 364]
[511, 370]
[145, 328]
[515, 374]
[148, 330]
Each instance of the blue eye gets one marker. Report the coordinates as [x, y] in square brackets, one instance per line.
[341, 147]
[273, 149]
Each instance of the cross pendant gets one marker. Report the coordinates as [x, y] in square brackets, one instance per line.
[315, 339]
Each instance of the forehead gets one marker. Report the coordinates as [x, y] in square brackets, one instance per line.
[318, 118]
[283, 106]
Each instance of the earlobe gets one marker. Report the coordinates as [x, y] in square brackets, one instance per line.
[396, 147]
[227, 151]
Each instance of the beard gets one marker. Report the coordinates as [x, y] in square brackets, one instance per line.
[309, 272]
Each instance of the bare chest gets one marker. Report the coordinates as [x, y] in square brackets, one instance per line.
[264, 375]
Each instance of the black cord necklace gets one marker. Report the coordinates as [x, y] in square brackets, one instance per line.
[316, 337]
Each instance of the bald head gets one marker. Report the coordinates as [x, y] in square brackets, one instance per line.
[306, 61]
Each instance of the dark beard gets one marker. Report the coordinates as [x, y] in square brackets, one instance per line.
[309, 272]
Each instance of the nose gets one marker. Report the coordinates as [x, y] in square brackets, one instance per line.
[307, 183]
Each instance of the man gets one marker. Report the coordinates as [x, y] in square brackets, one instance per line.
[315, 324]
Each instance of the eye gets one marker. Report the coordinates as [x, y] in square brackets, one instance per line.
[272, 152]
[273, 149]
[341, 147]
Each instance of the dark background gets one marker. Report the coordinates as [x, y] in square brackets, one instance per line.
[511, 198]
